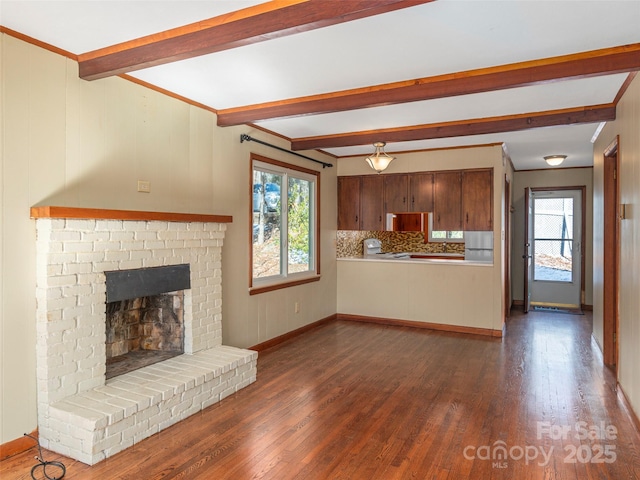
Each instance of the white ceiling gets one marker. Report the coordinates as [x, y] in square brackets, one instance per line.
[442, 37]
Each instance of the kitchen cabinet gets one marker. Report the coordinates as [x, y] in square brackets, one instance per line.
[361, 202]
[477, 200]
[421, 192]
[372, 213]
[396, 193]
[459, 199]
[447, 200]
[408, 192]
[348, 203]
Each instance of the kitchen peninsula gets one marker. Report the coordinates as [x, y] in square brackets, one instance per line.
[445, 294]
[456, 295]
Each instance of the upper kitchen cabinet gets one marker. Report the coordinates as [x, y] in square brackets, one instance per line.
[459, 199]
[447, 200]
[372, 213]
[477, 200]
[348, 203]
[421, 192]
[396, 193]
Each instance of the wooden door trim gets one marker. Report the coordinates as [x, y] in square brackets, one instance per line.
[611, 253]
[507, 249]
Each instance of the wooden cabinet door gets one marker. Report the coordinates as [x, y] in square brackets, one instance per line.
[421, 192]
[396, 193]
[371, 203]
[477, 199]
[348, 203]
[447, 201]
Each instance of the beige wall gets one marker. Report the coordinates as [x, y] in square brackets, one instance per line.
[69, 142]
[568, 177]
[406, 301]
[448, 294]
[627, 126]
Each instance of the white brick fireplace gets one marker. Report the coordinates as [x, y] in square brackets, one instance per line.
[82, 415]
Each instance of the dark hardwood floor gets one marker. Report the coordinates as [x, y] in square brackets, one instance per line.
[364, 401]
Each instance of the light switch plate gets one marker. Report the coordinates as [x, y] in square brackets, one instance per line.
[144, 186]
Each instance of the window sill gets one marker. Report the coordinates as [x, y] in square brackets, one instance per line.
[278, 286]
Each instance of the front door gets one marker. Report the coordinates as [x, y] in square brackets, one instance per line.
[555, 247]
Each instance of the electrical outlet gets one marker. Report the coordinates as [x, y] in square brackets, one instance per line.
[296, 307]
[144, 186]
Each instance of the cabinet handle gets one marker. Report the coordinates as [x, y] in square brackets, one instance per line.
[467, 219]
[404, 199]
[380, 217]
[356, 218]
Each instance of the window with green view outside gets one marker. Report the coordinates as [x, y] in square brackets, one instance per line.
[284, 223]
[444, 235]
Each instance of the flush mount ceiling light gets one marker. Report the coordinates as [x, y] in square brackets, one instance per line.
[379, 160]
[555, 160]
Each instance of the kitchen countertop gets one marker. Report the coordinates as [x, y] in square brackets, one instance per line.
[404, 257]
[447, 256]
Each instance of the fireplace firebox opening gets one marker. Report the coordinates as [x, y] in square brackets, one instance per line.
[143, 331]
[144, 316]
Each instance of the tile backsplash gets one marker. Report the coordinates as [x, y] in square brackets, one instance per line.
[350, 243]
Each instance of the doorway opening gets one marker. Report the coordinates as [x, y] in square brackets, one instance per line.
[555, 253]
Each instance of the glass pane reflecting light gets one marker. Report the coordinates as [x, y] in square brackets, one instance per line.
[299, 227]
[267, 224]
[553, 242]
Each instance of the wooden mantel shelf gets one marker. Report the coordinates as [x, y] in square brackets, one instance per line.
[102, 214]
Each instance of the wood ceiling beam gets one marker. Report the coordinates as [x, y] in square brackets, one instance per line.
[255, 24]
[461, 128]
[581, 65]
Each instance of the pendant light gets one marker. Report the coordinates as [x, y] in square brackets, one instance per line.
[379, 160]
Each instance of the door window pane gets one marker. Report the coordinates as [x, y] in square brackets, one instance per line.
[551, 261]
[553, 239]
